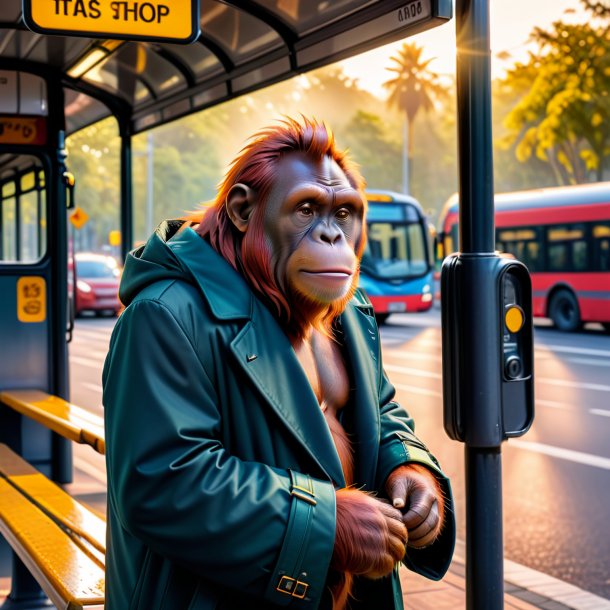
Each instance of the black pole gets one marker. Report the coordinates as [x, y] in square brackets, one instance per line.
[474, 127]
[484, 546]
[126, 195]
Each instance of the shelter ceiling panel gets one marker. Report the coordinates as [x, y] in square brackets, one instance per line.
[241, 35]
[305, 16]
[82, 109]
[137, 73]
[201, 61]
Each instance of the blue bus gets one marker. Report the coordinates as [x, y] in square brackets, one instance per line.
[398, 265]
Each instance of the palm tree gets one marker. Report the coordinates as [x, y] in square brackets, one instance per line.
[413, 87]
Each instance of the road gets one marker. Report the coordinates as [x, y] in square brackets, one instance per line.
[556, 478]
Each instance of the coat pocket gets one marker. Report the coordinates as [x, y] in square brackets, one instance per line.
[206, 597]
[162, 585]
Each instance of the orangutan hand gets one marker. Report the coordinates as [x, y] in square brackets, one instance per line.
[370, 537]
[415, 491]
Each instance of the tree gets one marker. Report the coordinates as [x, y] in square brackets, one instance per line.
[563, 116]
[371, 145]
[413, 88]
[600, 9]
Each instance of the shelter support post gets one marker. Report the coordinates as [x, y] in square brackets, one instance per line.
[126, 195]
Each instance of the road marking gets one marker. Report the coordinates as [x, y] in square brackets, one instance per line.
[418, 372]
[553, 404]
[564, 454]
[574, 384]
[601, 412]
[92, 386]
[93, 364]
[101, 354]
[413, 355]
[589, 361]
[583, 351]
[417, 390]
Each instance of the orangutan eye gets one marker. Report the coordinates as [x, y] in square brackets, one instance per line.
[306, 210]
[343, 214]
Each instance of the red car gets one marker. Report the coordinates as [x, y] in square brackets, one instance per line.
[97, 284]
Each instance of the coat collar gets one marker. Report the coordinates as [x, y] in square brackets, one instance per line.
[263, 351]
[222, 286]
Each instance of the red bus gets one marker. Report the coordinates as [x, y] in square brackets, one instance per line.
[563, 236]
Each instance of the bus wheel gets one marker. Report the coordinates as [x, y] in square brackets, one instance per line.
[381, 318]
[564, 311]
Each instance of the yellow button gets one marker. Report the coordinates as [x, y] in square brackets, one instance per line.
[514, 318]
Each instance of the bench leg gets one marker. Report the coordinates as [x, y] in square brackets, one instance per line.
[26, 593]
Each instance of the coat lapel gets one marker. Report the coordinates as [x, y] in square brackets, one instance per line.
[265, 354]
[362, 349]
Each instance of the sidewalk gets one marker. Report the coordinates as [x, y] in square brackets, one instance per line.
[524, 589]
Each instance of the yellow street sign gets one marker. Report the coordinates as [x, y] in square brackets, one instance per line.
[31, 299]
[154, 20]
[79, 217]
[114, 238]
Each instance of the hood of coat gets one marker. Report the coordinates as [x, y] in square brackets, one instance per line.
[175, 251]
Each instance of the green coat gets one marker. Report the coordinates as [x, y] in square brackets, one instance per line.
[211, 423]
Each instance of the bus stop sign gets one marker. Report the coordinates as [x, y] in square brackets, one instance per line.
[175, 21]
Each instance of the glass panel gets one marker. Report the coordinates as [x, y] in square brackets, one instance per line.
[307, 15]
[28, 209]
[135, 64]
[94, 157]
[601, 246]
[200, 60]
[395, 250]
[82, 110]
[9, 229]
[23, 234]
[240, 34]
[27, 182]
[568, 248]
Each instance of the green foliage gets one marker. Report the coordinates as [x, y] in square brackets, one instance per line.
[94, 159]
[563, 114]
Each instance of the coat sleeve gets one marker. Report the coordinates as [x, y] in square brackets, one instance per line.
[173, 486]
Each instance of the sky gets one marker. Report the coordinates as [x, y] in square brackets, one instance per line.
[511, 24]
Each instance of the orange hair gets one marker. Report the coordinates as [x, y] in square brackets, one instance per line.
[249, 253]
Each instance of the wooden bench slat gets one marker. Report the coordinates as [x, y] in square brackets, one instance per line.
[53, 499]
[65, 418]
[69, 577]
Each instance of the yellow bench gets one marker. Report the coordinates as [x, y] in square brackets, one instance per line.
[60, 541]
[65, 418]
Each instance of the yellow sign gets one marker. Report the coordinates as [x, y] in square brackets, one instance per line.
[31, 299]
[155, 20]
[23, 130]
[114, 238]
[79, 217]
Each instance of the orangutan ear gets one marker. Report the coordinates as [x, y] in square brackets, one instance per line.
[240, 205]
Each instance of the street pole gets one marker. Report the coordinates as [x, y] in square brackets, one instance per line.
[484, 545]
[150, 166]
[405, 155]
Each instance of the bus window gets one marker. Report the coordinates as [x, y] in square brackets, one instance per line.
[523, 243]
[395, 250]
[22, 211]
[601, 246]
[567, 248]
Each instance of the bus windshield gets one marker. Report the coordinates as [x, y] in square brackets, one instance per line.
[395, 250]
